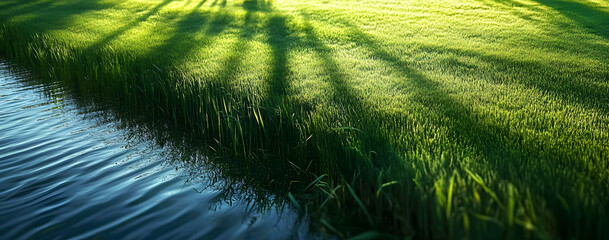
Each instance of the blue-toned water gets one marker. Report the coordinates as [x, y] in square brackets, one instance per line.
[70, 170]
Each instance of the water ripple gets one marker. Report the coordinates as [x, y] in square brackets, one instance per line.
[67, 172]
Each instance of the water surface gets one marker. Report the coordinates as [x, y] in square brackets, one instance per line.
[71, 170]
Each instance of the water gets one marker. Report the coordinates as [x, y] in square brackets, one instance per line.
[71, 170]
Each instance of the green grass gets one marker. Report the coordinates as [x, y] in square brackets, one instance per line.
[438, 119]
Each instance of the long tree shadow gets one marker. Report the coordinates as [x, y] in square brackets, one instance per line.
[9, 6]
[184, 38]
[234, 62]
[220, 3]
[502, 152]
[590, 94]
[184, 41]
[241, 179]
[588, 15]
[372, 152]
[585, 15]
[351, 118]
[120, 31]
[18, 8]
[53, 14]
[429, 92]
[353, 111]
[280, 42]
[490, 136]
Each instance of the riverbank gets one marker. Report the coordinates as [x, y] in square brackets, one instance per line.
[432, 119]
[71, 168]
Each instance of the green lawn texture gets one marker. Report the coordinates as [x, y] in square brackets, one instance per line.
[434, 119]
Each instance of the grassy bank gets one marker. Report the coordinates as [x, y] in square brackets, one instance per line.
[433, 119]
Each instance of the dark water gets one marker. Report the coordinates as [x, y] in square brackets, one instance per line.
[68, 170]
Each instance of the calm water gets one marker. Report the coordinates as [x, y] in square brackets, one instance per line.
[68, 170]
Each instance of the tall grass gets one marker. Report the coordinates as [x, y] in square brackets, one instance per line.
[426, 119]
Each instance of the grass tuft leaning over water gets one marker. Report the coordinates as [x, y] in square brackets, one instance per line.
[433, 119]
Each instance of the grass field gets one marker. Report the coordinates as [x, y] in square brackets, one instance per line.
[433, 119]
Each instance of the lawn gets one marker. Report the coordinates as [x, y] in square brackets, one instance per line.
[434, 119]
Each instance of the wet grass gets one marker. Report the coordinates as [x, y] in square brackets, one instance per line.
[434, 119]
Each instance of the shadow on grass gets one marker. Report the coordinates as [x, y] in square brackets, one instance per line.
[220, 3]
[280, 42]
[503, 153]
[257, 6]
[353, 143]
[234, 62]
[587, 89]
[363, 152]
[183, 39]
[120, 31]
[544, 77]
[50, 15]
[461, 123]
[241, 178]
[586, 14]
[591, 18]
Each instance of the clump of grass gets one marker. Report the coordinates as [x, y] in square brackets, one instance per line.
[460, 119]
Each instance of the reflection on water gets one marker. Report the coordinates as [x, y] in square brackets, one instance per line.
[71, 170]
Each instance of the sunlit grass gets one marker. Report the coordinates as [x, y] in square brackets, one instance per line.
[491, 115]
